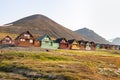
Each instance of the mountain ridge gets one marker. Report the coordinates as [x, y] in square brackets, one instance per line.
[40, 24]
[92, 35]
[116, 41]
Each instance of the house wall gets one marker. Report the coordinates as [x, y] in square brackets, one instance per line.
[36, 43]
[63, 46]
[75, 46]
[25, 43]
[97, 47]
[93, 46]
[88, 46]
[82, 45]
[49, 45]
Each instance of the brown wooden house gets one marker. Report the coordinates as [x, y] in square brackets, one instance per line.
[74, 44]
[25, 39]
[63, 43]
[7, 40]
[82, 44]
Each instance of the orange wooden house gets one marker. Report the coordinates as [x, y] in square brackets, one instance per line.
[25, 39]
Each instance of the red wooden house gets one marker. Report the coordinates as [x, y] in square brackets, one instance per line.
[82, 44]
[92, 45]
[25, 39]
[7, 40]
[63, 43]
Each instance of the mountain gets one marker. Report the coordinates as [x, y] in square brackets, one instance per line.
[92, 36]
[116, 41]
[40, 24]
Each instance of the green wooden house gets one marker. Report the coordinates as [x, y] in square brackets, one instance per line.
[47, 43]
[98, 46]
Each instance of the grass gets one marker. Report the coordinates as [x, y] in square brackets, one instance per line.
[13, 36]
[60, 65]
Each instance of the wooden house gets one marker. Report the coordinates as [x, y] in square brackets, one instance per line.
[47, 43]
[87, 45]
[92, 45]
[97, 46]
[25, 39]
[7, 40]
[82, 44]
[107, 46]
[63, 43]
[112, 47]
[74, 44]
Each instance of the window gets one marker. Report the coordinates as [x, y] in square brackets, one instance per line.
[22, 40]
[63, 41]
[31, 41]
[27, 35]
[7, 38]
[46, 39]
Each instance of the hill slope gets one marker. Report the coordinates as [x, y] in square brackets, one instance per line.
[92, 35]
[39, 24]
[54, 65]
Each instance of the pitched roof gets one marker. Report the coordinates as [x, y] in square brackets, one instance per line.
[72, 40]
[26, 32]
[42, 37]
[7, 37]
[81, 41]
[60, 39]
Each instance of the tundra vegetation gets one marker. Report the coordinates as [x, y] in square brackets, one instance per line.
[59, 65]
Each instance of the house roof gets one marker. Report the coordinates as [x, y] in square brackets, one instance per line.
[26, 32]
[42, 37]
[81, 41]
[60, 39]
[72, 40]
[7, 37]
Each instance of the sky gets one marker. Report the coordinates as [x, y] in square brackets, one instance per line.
[102, 16]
